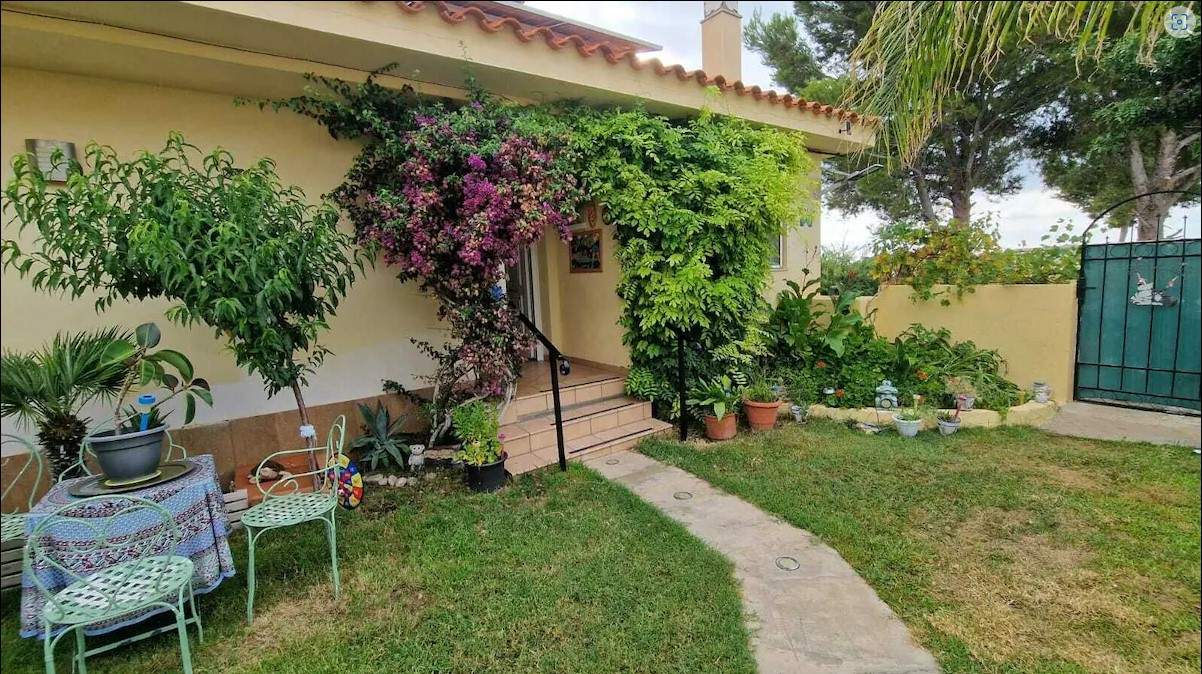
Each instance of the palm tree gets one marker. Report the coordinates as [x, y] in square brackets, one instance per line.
[48, 388]
[916, 54]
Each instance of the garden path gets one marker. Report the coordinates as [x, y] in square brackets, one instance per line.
[1102, 422]
[819, 618]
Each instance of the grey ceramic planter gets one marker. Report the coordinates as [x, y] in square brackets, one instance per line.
[127, 457]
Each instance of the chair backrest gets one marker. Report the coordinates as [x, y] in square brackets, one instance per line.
[64, 545]
[324, 476]
[32, 458]
[81, 467]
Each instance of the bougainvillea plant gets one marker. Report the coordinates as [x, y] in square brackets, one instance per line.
[451, 195]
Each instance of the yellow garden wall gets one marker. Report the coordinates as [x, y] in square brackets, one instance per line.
[1034, 327]
[369, 336]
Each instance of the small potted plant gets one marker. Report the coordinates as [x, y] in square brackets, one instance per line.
[131, 452]
[720, 399]
[963, 391]
[908, 420]
[478, 426]
[761, 403]
[948, 421]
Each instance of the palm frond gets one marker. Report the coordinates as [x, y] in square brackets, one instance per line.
[916, 54]
[62, 377]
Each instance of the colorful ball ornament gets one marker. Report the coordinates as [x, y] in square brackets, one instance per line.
[349, 480]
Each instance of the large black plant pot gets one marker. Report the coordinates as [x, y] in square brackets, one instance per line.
[128, 457]
[488, 477]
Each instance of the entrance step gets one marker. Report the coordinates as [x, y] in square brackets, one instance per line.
[542, 402]
[591, 446]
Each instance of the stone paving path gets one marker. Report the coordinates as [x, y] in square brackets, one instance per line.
[820, 618]
[1103, 422]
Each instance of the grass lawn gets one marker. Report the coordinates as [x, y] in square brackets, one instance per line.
[1004, 550]
[557, 573]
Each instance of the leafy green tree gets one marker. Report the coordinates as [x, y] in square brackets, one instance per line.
[1128, 127]
[917, 56]
[230, 246]
[976, 147]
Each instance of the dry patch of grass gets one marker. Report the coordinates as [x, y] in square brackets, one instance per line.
[1016, 596]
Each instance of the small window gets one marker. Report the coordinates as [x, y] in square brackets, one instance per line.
[776, 258]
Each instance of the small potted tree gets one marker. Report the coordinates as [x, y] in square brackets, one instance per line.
[761, 403]
[720, 400]
[131, 450]
[478, 425]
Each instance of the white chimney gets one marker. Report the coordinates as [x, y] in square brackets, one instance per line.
[722, 40]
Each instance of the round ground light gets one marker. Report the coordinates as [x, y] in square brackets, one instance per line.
[787, 564]
[612, 462]
[682, 496]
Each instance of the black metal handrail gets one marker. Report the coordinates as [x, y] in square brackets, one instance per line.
[556, 357]
[682, 386]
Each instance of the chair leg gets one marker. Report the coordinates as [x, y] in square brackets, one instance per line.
[200, 630]
[81, 651]
[333, 555]
[48, 648]
[250, 577]
[181, 626]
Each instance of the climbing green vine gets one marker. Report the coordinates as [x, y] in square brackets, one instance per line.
[696, 206]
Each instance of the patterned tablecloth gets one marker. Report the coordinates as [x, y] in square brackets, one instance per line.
[195, 501]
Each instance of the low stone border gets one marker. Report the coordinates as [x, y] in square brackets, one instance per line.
[1027, 414]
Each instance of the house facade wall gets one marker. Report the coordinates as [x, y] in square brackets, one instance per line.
[370, 336]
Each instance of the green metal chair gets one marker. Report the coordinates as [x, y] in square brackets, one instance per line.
[122, 527]
[80, 467]
[285, 505]
[12, 525]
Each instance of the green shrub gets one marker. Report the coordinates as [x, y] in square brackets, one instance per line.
[842, 353]
[847, 272]
[696, 207]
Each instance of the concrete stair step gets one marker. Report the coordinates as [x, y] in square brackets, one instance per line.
[538, 403]
[537, 431]
[593, 445]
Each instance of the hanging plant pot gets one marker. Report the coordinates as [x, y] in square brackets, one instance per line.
[761, 416]
[721, 429]
[908, 428]
[948, 426]
[126, 458]
[486, 477]
[966, 402]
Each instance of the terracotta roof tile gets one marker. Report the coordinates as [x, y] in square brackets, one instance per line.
[457, 15]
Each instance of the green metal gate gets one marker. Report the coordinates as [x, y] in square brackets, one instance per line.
[1138, 324]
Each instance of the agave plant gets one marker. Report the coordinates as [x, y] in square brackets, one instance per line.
[47, 389]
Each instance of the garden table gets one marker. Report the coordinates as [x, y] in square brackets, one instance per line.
[194, 500]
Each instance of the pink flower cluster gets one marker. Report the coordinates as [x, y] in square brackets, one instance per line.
[454, 200]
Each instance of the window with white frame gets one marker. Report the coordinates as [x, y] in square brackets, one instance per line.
[776, 258]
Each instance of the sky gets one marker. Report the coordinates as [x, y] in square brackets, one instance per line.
[1022, 217]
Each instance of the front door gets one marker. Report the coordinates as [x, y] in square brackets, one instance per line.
[521, 288]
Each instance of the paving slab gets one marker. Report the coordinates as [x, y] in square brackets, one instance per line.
[815, 615]
[1104, 422]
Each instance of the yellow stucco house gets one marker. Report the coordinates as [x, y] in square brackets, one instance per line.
[127, 73]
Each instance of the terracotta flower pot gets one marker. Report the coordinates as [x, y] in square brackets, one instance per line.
[761, 416]
[721, 429]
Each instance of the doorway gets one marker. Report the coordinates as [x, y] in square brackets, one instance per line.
[522, 289]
